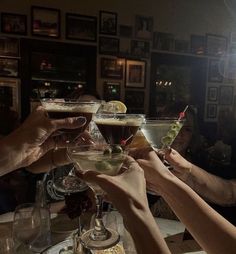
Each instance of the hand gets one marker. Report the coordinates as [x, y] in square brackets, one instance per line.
[181, 167]
[126, 190]
[33, 138]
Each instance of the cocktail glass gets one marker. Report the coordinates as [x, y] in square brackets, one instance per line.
[106, 159]
[118, 128]
[160, 133]
[64, 179]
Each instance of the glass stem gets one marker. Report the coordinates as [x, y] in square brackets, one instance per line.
[99, 233]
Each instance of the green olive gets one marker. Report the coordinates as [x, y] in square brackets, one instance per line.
[117, 149]
[107, 151]
[166, 140]
[103, 166]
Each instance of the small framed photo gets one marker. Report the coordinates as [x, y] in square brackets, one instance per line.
[9, 67]
[111, 90]
[108, 23]
[230, 72]
[81, 27]
[163, 41]
[9, 47]
[140, 48]
[215, 71]
[134, 99]
[226, 95]
[112, 68]
[216, 45]
[143, 27]
[10, 92]
[45, 22]
[198, 44]
[212, 93]
[135, 73]
[14, 23]
[211, 111]
[108, 45]
[125, 31]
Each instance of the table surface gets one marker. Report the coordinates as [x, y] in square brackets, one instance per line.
[171, 230]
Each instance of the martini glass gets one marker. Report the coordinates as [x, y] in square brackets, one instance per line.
[106, 159]
[118, 128]
[64, 179]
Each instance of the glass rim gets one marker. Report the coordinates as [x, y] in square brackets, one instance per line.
[118, 114]
[68, 101]
[165, 119]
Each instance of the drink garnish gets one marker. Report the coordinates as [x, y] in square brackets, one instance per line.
[118, 106]
[124, 141]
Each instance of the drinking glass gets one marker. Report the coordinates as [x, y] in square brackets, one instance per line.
[64, 179]
[7, 246]
[106, 159]
[26, 224]
[118, 128]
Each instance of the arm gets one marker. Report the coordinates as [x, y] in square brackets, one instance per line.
[127, 192]
[214, 233]
[210, 187]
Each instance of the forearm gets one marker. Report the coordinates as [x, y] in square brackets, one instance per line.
[213, 232]
[211, 187]
[144, 231]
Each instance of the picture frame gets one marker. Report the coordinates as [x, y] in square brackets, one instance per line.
[211, 111]
[45, 22]
[108, 45]
[81, 27]
[107, 22]
[198, 44]
[10, 89]
[215, 70]
[111, 90]
[143, 27]
[216, 45]
[112, 68]
[135, 74]
[125, 31]
[9, 67]
[9, 47]
[134, 99]
[230, 73]
[12, 23]
[140, 48]
[226, 95]
[212, 93]
[163, 41]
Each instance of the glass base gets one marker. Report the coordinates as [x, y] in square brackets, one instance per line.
[88, 242]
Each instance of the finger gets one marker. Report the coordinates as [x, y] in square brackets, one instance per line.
[69, 123]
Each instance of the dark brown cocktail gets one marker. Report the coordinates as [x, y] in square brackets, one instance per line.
[118, 128]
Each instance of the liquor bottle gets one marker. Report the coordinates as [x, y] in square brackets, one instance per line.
[44, 239]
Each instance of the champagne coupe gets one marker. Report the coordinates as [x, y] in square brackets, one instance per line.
[106, 159]
[26, 224]
[64, 178]
[118, 128]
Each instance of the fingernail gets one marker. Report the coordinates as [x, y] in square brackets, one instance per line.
[81, 120]
[169, 149]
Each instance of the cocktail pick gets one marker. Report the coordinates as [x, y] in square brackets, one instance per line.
[182, 114]
[124, 141]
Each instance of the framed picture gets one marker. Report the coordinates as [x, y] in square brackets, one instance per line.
[111, 91]
[211, 111]
[215, 70]
[9, 47]
[140, 48]
[134, 99]
[9, 67]
[216, 45]
[163, 41]
[45, 22]
[108, 45]
[226, 95]
[108, 23]
[135, 73]
[198, 44]
[230, 72]
[13, 23]
[10, 93]
[212, 93]
[143, 27]
[125, 31]
[81, 27]
[112, 68]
